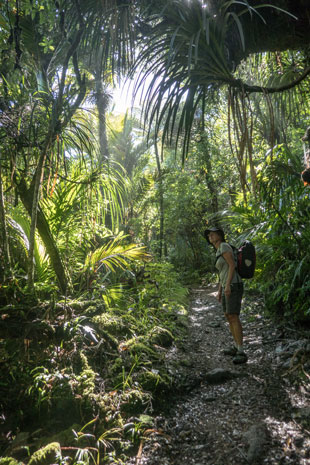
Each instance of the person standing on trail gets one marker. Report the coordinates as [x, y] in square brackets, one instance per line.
[230, 290]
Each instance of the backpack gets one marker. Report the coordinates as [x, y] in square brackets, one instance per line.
[245, 257]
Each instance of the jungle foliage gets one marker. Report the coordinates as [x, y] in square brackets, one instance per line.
[82, 373]
[102, 215]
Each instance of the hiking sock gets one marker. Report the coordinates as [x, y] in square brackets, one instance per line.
[240, 349]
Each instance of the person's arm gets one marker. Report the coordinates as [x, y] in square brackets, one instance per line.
[228, 256]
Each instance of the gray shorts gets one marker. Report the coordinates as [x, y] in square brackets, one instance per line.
[232, 304]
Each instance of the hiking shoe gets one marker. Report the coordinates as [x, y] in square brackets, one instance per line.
[239, 358]
[231, 351]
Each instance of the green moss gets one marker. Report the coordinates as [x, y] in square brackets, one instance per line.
[138, 346]
[46, 455]
[117, 366]
[86, 379]
[91, 310]
[9, 461]
[161, 336]
[146, 420]
[128, 319]
[153, 381]
[110, 323]
[116, 324]
[103, 403]
[86, 305]
[65, 437]
[134, 401]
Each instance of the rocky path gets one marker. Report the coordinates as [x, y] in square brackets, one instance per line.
[254, 413]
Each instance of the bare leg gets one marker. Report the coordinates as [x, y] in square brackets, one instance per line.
[235, 328]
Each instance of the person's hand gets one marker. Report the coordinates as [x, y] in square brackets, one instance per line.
[227, 291]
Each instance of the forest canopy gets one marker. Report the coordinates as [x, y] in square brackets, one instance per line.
[102, 214]
[224, 86]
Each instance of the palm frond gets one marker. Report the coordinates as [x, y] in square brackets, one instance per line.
[99, 192]
[21, 226]
[110, 23]
[184, 59]
[185, 55]
[115, 254]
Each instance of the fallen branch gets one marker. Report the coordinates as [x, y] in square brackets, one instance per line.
[139, 454]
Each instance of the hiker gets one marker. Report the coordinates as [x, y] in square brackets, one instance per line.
[305, 176]
[230, 290]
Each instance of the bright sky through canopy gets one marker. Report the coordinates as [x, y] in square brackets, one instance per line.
[123, 97]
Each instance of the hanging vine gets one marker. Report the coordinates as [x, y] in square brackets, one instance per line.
[240, 134]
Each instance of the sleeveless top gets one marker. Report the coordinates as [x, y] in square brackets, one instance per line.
[222, 266]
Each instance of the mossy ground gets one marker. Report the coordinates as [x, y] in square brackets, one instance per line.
[84, 375]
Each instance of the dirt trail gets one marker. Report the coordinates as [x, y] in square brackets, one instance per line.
[259, 416]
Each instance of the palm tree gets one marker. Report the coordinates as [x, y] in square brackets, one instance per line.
[191, 52]
[4, 242]
[45, 44]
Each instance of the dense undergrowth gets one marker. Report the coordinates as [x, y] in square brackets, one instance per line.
[85, 375]
[278, 224]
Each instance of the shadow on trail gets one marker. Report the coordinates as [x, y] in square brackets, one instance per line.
[246, 419]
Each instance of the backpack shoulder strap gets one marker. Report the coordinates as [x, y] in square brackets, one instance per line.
[235, 253]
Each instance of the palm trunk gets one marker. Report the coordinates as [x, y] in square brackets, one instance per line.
[34, 209]
[3, 229]
[161, 201]
[211, 184]
[102, 102]
[211, 187]
[27, 199]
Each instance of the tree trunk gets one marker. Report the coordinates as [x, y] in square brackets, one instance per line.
[54, 127]
[279, 32]
[4, 244]
[211, 185]
[33, 214]
[102, 102]
[26, 196]
[161, 201]
[212, 189]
